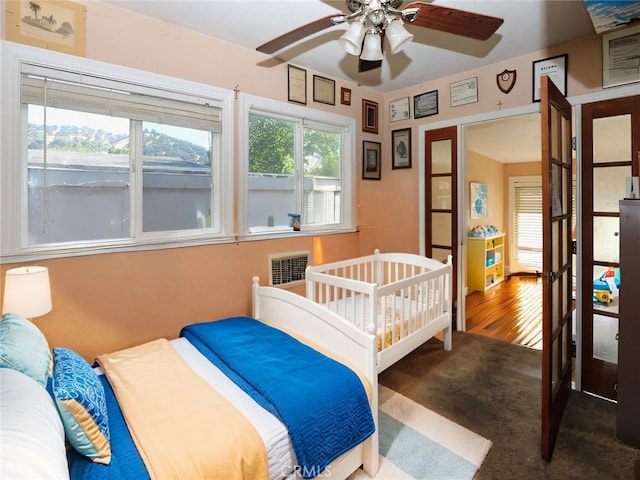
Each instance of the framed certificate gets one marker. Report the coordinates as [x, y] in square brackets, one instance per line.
[425, 104]
[464, 91]
[553, 67]
[297, 85]
[399, 109]
[324, 90]
[620, 60]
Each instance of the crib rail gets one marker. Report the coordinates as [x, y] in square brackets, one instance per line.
[391, 295]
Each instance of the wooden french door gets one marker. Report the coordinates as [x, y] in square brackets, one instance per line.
[556, 261]
[610, 155]
[441, 193]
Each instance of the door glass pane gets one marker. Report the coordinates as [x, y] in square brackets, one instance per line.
[612, 139]
[609, 187]
[555, 370]
[441, 154]
[606, 246]
[564, 239]
[441, 193]
[566, 346]
[605, 290]
[605, 342]
[555, 250]
[440, 254]
[441, 228]
[555, 141]
[555, 313]
[567, 144]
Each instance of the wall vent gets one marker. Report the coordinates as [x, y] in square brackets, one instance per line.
[288, 268]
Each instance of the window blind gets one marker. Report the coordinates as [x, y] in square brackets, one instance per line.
[68, 90]
[528, 227]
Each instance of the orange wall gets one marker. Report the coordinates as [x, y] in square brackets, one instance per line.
[103, 303]
[109, 301]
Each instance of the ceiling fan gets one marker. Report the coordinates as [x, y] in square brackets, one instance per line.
[373, 20]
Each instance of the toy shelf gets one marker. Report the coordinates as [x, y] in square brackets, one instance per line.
[485, 262]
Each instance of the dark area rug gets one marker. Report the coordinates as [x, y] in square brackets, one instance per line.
[493, 388]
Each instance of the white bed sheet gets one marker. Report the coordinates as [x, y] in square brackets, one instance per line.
[280, 453]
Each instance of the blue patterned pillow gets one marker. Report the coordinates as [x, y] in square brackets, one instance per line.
[24, 348]
[80, 399]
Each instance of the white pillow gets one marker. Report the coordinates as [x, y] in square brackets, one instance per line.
[31, 434]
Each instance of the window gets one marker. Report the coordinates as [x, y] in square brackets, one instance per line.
[113, 162]
[527, 223]
[299, 163]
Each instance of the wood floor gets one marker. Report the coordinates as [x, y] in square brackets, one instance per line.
[510, 311]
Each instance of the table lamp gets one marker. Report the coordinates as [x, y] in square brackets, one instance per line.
[27, 292]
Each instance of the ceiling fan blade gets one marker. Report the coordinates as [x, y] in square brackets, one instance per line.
[451, 20]
[299, 33]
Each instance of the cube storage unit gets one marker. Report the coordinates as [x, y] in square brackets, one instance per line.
[485, 262]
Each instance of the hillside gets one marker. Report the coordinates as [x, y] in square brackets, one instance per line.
[85, 139]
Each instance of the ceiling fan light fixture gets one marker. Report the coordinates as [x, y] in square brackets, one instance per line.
[375, 12]
[398, 36]
[351, 40]
[410, 14]
[372, 49]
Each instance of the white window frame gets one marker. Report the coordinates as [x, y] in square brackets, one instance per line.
[305, 116]
[13, 149]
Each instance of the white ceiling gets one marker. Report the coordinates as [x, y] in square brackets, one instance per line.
[529, 25]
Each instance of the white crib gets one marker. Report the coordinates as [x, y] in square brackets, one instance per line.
[403, 298]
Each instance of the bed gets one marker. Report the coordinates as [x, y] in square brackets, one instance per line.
[403, 299]
[281, 414]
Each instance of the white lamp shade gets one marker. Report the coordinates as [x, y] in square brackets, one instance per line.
[351, 41]
[372, 49]
[398, 36]
[27, 292]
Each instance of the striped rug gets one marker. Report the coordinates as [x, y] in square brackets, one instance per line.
[416, 443]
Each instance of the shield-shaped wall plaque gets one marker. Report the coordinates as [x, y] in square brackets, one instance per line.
[506, 80]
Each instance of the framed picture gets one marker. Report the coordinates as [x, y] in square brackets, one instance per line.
[425, 104]
[297, 85]
[399, 110]
[553, 67]
[345, 96]
[324, 90]
[401, 143]
[50, 24]
[464, 92]
[371, 160]
[620, 60]
[479, 206]
[369, 116]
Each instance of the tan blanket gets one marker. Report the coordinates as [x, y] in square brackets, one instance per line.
[182, 427]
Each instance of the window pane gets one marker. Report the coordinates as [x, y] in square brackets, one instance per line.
[321, 197]
[78, 186]
[177, 181]
[271, 173]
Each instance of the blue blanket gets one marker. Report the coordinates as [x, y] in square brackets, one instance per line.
[125, 459]
[322, 402]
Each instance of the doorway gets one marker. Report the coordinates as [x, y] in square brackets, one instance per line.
[505, 156]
